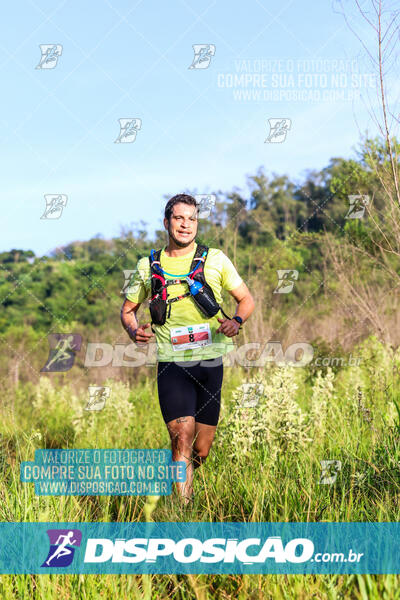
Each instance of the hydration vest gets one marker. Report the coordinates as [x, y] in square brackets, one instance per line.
[160, 304]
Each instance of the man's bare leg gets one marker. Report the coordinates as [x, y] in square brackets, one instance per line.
[182, 433]
[204, 437]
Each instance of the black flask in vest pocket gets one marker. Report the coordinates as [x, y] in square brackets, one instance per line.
[203, 297]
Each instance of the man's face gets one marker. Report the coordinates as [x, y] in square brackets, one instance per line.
[182, 226]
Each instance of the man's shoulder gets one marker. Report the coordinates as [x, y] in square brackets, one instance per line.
[217, 259]
[216, 254]
[143, 260]
[214, 251]
[143, 264]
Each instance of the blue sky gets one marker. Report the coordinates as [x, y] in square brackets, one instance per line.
[131, 60]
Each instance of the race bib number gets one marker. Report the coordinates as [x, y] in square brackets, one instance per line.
[192, 336]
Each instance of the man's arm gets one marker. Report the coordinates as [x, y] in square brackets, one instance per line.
[245, 302]
[244, 308]
[129, 322]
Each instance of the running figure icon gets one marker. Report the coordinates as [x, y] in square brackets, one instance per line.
[62, 549]
[63, 347]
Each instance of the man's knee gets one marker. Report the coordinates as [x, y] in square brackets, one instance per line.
[183, 441]
[182, 435]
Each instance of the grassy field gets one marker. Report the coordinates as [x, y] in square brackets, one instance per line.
[272, 452]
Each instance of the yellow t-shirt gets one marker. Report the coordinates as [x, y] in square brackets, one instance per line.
[219, 273]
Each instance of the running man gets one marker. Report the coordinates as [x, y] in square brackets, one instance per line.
[190, 346]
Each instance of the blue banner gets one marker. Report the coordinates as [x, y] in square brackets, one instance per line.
[103, 472]
[330, 548]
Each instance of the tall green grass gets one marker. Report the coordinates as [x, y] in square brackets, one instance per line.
[272, 452]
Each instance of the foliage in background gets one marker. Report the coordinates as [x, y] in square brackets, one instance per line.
[348, 271]
[272, 452]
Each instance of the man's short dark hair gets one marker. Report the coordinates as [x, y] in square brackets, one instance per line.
[184, 198]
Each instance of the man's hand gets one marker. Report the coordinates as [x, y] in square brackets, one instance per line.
[141, 336]
[229, 327]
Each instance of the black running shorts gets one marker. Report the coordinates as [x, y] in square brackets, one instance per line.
[190, 388]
